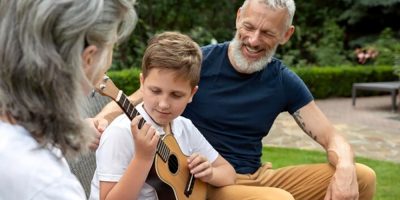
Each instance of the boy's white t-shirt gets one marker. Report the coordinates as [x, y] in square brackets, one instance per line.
[116, 150]
[30, 171]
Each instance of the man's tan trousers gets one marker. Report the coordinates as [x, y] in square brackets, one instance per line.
[302, 182]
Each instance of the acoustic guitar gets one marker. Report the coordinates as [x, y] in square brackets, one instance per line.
[169, 174]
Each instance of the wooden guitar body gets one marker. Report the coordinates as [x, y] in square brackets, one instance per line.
[174, 172]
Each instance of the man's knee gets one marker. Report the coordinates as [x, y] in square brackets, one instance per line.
[242, 192]
[365, 174]
[366, 178]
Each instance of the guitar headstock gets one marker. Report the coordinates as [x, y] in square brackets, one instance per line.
[107, 88]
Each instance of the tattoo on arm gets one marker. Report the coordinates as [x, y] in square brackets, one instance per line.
[299, 120]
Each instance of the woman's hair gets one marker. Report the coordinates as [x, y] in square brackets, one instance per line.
[41, 68]
[173, 51]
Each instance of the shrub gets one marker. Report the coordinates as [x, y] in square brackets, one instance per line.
[126, 80]
[323, 82]
[326, 82]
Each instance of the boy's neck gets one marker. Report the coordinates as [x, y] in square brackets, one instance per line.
[167, 129]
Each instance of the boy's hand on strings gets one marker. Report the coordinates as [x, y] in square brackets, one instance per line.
[145, 139]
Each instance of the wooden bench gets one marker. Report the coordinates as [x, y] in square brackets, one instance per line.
[392, 87]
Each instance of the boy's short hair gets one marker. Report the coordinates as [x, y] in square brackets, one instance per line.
[174, 51]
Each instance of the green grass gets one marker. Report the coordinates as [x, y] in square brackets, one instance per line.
[388, 173]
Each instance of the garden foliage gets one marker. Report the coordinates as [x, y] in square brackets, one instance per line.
[323, 82]
[327, 32]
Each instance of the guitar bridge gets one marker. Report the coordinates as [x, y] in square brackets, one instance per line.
[189, 185]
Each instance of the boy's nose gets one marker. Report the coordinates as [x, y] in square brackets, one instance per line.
[163, 103]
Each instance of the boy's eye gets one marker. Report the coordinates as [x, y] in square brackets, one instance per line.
[177, 95]
[155, 91]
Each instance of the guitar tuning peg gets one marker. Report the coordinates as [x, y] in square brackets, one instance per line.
[102, 86]
[105, 78]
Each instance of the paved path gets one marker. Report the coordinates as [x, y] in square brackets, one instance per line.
[371, 127]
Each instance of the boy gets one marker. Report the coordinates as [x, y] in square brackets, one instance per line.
[170, 74]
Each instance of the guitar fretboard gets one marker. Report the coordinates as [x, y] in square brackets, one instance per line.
[162, 149]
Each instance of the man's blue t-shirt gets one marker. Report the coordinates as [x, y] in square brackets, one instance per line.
[234, 111]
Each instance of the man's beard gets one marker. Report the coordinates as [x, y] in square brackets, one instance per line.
[244, 66]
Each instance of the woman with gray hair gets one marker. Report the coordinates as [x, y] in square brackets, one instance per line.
[51, 55]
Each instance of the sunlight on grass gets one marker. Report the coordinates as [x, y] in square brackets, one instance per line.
[388, 178]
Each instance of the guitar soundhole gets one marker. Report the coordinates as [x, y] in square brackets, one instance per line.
[173, 164]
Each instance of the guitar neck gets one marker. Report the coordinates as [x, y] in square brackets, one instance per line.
[162, 149]
[126, 105]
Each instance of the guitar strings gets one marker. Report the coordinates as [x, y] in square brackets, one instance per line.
[132, 113]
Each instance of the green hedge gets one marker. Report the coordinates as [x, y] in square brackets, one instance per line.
[323, 82]
[126, 80]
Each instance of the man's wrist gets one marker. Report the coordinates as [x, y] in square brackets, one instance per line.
[345, 166]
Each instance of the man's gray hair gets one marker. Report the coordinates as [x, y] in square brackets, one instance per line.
[288, 4]
[41, 68]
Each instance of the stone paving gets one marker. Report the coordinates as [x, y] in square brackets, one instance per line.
[371, 127]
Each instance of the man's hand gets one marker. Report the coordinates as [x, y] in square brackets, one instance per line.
[314, 123]
[98, 125]
[344, 184]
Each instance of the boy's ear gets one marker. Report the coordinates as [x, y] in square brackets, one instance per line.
[141, 81]
[88, 56]
[194, 90]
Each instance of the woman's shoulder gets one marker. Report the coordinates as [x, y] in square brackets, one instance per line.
[38, 171]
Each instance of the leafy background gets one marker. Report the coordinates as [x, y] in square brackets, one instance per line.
[327, 32]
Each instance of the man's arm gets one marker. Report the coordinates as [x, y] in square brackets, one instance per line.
[112, 110]
[107, 115]
[340, 155]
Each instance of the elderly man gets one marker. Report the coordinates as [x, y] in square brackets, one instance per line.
[242, 90]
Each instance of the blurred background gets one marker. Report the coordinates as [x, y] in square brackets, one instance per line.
[328, 33]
